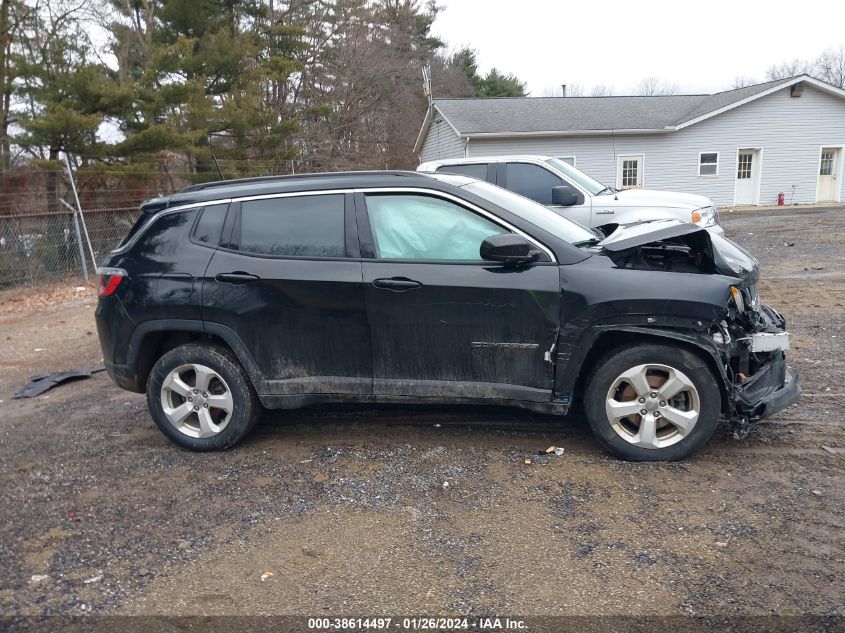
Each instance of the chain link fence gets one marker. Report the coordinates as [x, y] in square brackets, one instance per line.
[38, 232]
[46, 246]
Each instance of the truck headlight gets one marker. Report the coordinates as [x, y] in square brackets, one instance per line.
[705, 216]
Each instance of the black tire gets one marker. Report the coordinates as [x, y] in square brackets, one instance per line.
[245, 404]
[620, 360]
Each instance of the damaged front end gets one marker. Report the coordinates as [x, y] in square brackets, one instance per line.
[753, 342]
[750, 338]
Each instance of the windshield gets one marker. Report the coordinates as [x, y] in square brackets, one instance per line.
[579, 177]
[532, 212]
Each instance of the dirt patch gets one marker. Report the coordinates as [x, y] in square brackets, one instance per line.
[46, 329]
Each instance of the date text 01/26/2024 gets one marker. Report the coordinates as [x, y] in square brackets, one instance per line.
[415, 624]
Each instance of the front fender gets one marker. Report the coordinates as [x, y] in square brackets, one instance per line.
[575, 361]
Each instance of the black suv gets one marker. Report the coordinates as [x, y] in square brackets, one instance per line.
[406, 287]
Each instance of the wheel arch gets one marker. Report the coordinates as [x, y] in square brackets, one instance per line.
[610, 339]
[152, 339]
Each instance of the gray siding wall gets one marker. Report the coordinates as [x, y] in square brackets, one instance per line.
[790, 131]
[441, 141]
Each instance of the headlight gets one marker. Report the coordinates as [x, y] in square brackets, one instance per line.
[705, 216]
[739, 301]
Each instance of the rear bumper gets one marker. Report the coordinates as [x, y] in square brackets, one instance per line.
[123, 377]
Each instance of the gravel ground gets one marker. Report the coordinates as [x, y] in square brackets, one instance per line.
[400, 510]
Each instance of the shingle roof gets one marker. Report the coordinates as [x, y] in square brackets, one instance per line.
[573, 114]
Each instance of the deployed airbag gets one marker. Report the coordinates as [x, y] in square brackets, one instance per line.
[422, 227]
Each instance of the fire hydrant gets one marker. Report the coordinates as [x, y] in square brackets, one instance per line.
[780, 199]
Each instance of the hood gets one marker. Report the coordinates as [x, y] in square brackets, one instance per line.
[728, 257]
[642, 233]
[731, 256]
[649, 197]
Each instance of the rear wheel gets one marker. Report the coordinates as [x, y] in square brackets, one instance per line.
[201, 398]
[653, 403]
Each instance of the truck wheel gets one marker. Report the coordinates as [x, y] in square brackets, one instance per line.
[653, 403]
[201, 398]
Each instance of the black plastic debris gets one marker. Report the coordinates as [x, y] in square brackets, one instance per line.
[40, 383]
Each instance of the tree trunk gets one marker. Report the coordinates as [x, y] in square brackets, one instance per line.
[5, 83]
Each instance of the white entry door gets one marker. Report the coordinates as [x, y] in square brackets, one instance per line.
[747, 185]
[629, 172]
[828, 167]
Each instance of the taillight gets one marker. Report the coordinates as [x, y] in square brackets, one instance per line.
[109, 280]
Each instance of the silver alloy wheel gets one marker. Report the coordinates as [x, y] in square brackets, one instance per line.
[196, 400]
[652, 406]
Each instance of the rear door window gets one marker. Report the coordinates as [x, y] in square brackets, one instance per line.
[294, 226]
[532, 181]
[476, 170]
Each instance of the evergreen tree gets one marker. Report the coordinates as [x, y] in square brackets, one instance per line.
[64, 98]
[493, 84]
[200, 73]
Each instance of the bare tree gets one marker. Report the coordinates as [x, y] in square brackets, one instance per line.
[789, 69]
[601, 90]
[740, 81]
[564, 90]
[830, 66]
[652, 86]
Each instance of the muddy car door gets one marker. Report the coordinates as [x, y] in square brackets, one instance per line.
[287, 279]
[443, 322]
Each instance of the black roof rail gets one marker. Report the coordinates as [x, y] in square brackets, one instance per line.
[281, 178]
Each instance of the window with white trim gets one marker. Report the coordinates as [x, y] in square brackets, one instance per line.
[630, 169]
[826, 164]
[708, 164]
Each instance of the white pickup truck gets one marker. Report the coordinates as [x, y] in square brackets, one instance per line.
[575, 195]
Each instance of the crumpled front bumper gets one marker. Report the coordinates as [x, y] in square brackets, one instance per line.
[773, 388]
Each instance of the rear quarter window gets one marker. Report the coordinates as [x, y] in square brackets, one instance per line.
[136, 226]
[162, 239]
[210, 224]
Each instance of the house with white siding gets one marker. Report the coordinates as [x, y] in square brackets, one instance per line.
[742, 146]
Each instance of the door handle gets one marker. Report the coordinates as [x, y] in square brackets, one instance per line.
[605, 212]
[397, 284]
[236, 277]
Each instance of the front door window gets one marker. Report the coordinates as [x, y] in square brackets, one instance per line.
[826, 165]
[423, 227]
[532, 181]
[743, 171]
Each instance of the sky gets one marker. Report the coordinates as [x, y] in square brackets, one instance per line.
[699, 46]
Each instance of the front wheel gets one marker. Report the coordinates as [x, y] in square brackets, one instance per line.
[201, 398]
[653, 402]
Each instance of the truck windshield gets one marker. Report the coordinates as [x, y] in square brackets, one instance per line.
[533, 212]
[579, 177]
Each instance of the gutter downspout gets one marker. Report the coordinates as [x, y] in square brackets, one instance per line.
[466, 148]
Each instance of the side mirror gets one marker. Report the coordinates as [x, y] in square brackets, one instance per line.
[508, 248]
[564, 196]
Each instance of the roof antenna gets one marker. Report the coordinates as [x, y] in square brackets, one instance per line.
[216, 162]
[615, 163]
